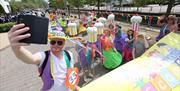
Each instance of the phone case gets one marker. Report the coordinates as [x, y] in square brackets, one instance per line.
[38, 28]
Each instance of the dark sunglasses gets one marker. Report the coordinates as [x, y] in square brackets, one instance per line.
[52, 42]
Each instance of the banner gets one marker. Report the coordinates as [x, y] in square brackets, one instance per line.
[156, 70]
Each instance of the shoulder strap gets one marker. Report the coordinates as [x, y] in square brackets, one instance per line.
[68, 55]
[44, 62]
[67, 58]
[164, 29]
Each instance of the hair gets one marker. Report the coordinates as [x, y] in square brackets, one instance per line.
[130, 35]
[172, 18]
[140, 36]
[161, 44]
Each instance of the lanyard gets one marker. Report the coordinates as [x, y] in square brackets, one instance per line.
[52, 67]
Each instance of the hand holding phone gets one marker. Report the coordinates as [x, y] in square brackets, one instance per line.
[38, 28]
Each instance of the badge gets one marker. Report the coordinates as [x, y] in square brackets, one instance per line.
[72, 78]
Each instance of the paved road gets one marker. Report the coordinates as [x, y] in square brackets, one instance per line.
[17, 76]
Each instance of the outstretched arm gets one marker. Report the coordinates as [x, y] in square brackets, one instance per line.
[15, 35]
[146, 43]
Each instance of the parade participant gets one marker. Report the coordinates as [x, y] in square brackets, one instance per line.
[112, 58]
[82, 29]
[119, 40]
[127, 53]
[139, 46]
[167, 25]
[52, 64]
[85, 59]
[84, 19]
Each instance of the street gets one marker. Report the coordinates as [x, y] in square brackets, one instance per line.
[18, 76]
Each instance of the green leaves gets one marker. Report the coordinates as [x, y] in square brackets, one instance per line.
[5, 27]
[30, 4]
[139, 3]
[57, 3]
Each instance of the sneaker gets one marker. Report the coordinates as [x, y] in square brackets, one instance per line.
[91, 75]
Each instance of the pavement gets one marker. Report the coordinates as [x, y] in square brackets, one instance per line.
[18, 76]
[4, 42]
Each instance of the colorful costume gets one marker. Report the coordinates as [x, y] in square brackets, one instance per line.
[85, 57]
[119, 41]
[112, 58]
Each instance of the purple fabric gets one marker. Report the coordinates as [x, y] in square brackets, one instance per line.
[58, 27]
[119, 42]
[46, 77]
[84, 60]
[163, 31]
[82, 57]
[97, 43]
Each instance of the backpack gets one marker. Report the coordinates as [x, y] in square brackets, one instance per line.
[47, 53]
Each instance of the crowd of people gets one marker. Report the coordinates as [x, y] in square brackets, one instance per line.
[113, 46]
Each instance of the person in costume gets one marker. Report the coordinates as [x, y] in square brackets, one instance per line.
[52, 64]
[127, 53]
[112, 58]
[85, 59]
[139, 46]
[61, 21]
[119, 40]
[85, 20]
[167, 25]
[82, 29]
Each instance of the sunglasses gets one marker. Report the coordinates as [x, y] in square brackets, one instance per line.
[58, 42]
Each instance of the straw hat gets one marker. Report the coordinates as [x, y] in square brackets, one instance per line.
[56, 34]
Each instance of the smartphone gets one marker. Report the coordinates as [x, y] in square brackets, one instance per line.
[38, 28]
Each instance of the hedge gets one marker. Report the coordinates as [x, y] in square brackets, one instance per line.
[5, 27]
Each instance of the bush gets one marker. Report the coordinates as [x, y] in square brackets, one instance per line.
[5, 27]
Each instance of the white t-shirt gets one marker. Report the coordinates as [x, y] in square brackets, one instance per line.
[60, 70]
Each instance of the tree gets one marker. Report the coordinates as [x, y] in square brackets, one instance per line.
[139, 3]
[170, 5]
[146, 2]
[57, 4]
[24, 4]
[1, 9]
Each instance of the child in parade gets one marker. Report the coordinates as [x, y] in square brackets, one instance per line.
[127, 53]
[82, 29]
[112, 58]
[85, 59]
[119, 40]
[139, 46]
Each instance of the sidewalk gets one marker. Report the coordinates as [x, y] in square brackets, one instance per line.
[4, 42]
